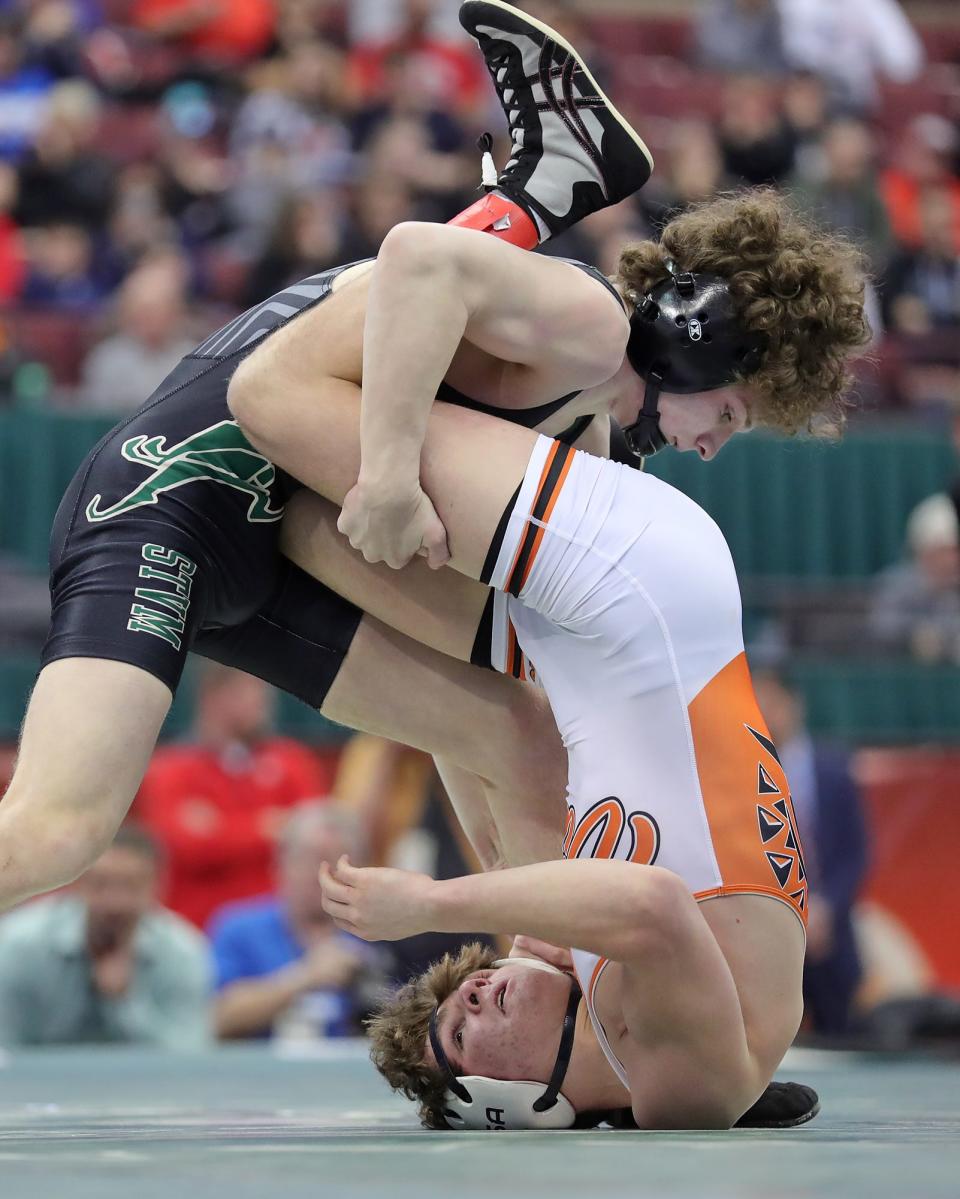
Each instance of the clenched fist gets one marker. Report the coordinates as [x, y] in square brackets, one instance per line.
[392, 526]
[377, 903]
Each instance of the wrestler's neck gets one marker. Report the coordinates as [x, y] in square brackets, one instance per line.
[590, 1083]
[616, 396]
[619, 396]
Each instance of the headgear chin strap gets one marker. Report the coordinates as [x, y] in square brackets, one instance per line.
[685, 337]
[476, 1102]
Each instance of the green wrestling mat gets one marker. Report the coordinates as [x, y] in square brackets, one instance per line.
[251, 1123]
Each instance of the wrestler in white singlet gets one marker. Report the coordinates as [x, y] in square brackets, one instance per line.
[623, 604]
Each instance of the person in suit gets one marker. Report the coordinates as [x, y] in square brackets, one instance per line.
[831, 821]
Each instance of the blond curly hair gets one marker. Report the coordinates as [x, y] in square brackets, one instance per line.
[398, 1030]
[800, 285]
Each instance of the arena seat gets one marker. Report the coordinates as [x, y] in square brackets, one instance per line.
[60, 340]
[778, 502]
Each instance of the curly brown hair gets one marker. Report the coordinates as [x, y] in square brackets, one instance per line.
[398, 1030]
[800, 285]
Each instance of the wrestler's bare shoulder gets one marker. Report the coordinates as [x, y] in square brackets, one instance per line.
[338, 325]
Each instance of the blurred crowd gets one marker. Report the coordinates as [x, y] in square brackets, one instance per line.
[162, 161]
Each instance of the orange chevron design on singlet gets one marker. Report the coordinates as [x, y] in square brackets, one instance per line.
[753, 826]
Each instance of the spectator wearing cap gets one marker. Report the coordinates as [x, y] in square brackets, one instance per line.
[282, 965]
[830, 818]
[915, 607]
[104, 962]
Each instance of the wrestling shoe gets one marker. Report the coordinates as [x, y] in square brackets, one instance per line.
[573, 153]
[782, 1105]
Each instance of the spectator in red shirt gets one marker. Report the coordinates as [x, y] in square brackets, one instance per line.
[217, 804]
[923, 160]
[220, 32]
[449, 73]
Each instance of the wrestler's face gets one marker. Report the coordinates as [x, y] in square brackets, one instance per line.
[504, 1023]
[703, 422]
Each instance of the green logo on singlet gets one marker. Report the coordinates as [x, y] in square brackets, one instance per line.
[161, 608]
[219, 454]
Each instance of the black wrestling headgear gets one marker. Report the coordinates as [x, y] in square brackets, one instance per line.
[685, 337]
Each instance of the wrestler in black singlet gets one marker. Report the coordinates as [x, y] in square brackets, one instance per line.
[167, 538]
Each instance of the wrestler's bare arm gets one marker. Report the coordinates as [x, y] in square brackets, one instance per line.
[436, 285]
[432, 287]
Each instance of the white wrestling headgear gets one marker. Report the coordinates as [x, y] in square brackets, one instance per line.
[479, 1103]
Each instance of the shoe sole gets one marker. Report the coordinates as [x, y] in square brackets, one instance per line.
[562, 41]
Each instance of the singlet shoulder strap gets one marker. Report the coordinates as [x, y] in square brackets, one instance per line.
[596, 273]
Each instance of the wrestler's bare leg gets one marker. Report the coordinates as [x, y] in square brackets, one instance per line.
[499, 732]
[90, 729]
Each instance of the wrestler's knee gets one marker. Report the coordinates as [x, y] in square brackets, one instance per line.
[46, 841]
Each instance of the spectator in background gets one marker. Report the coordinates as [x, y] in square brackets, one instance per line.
[852, 46]
[307, 239]
[23, 91]
[915, 606]
[446, 72]
[13, 252]
[289, 136]
[375, 206]
[151, 338]
[217, 805]
[923, 158]
[922, 286]
[55, 32]
[283, 967]
[374, 22]
[61, 271]
[139, 224]
[756, 142]
[223, 35]
[805, 110]
[103, 962]
[830, 819]
[740, 35]
[846, 197]
[405, 132]
[64, 177]
[690, 172]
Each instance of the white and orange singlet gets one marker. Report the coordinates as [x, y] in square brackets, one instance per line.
[621, 600]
